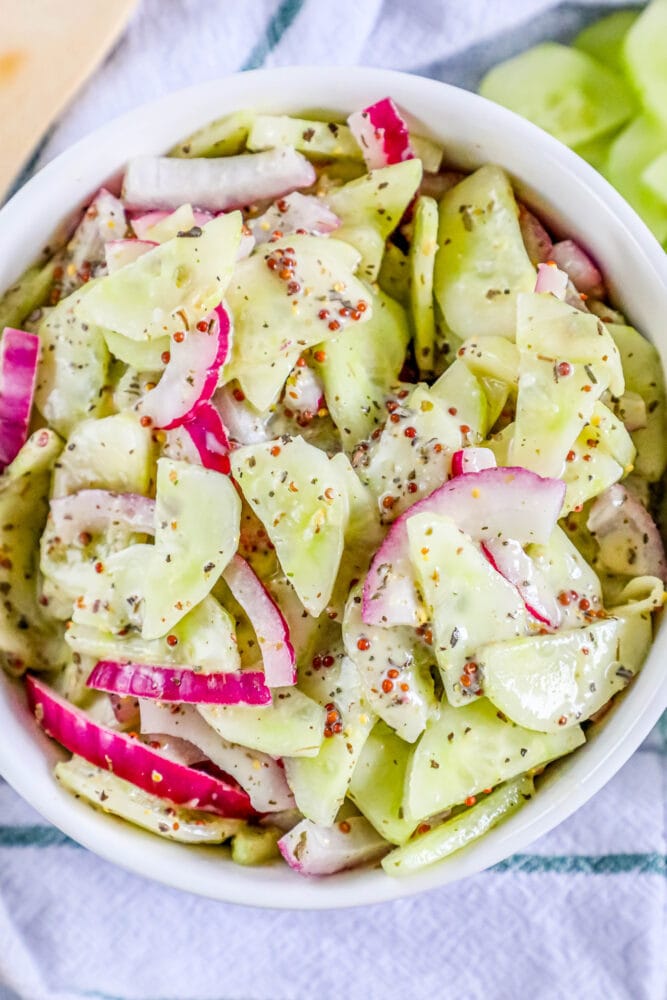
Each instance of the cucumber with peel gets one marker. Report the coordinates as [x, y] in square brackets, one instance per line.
[422, 262]
[223, 137]
[471, 749]
[459, 831]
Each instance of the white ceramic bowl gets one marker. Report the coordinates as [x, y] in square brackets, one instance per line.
[567, 193]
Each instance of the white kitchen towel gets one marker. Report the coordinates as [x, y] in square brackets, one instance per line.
[582, 914]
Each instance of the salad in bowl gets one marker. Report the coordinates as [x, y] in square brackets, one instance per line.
[329, 498]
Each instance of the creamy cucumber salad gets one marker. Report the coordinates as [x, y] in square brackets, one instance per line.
[328, 495]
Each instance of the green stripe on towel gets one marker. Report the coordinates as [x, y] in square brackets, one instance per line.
[283, 18]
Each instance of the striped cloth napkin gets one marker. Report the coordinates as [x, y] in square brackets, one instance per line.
[582, 915]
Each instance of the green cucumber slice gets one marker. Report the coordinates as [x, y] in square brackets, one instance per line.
[272, 326]
[360, 367]
[143, 355]
[114, 453]
[604, 39]
[197, 518]
[371, 207]
[481, 264]
[468, 750]
[462, 394]
[564, 570]
[378, 781]
[293, 726]
[468, 602]
[548, 682]
[422, 262]
[644, 375]
[320, 783]
[301, 498]
[169, 288]
[255, 845]
[655, 176]
[462, 829]
[563, 90]
[630, 154]
[314, 138]
[645, 63]
[26, 294]
[223, 137]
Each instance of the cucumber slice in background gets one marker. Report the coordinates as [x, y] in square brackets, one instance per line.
[549, 682]
[481, 264]
[629, 155]
[462, 829]
[645, 61]
[655, 176]
[197, 518]
[73, 368]
[301, 498]
[371, 207]
[604, 40]
[422, 262]
[563, 90]
[378, 781]
[293, 726]
[406, 700]
[169, 288]
[469, 603]
[114, 453]
[644, 375]
[360, 367]
[27, 637]
[467, 750]
[320, 783]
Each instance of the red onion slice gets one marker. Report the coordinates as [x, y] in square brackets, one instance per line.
[97, 510]
[551, 279]
[579, 267]
[267, 620]
[496, 503]
[191, 374]
[129, 759]
[180, 684]
[217, 184]
[472, 460]
[19, 354]
[322, 850]
[382, 134]
[629, 540]
[209, 437]
[536, 239]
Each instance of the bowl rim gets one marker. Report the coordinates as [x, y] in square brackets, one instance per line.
[198, 870]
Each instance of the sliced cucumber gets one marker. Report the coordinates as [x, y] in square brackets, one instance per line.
[462, 394]
[314, 138]
[629, 155]
[181, 220]
[492, 357]
[481, 264]
[27, 637]
[394, 276]
[644, 375]
[272, 326]
[73, 367]
[470, 750]
[422, 262]
[293, 726]
[644, 52]
[469, 603]
[197, 517]
[378, 781]
[596, 462]
[371, 207]
[554, 403]
[223, 137]
[301, 498]
[255, 845]
[655, 176]
[563, 90]
[359, 368]
[362, 537]
[320, 783]
[548, 682]
[169, 288]
[604, 39]
[111, 794]
[565, 570]
[403, 467]
[25, 295]
[114, 453]
[394, 668]
[462, 829]
[114, 596]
